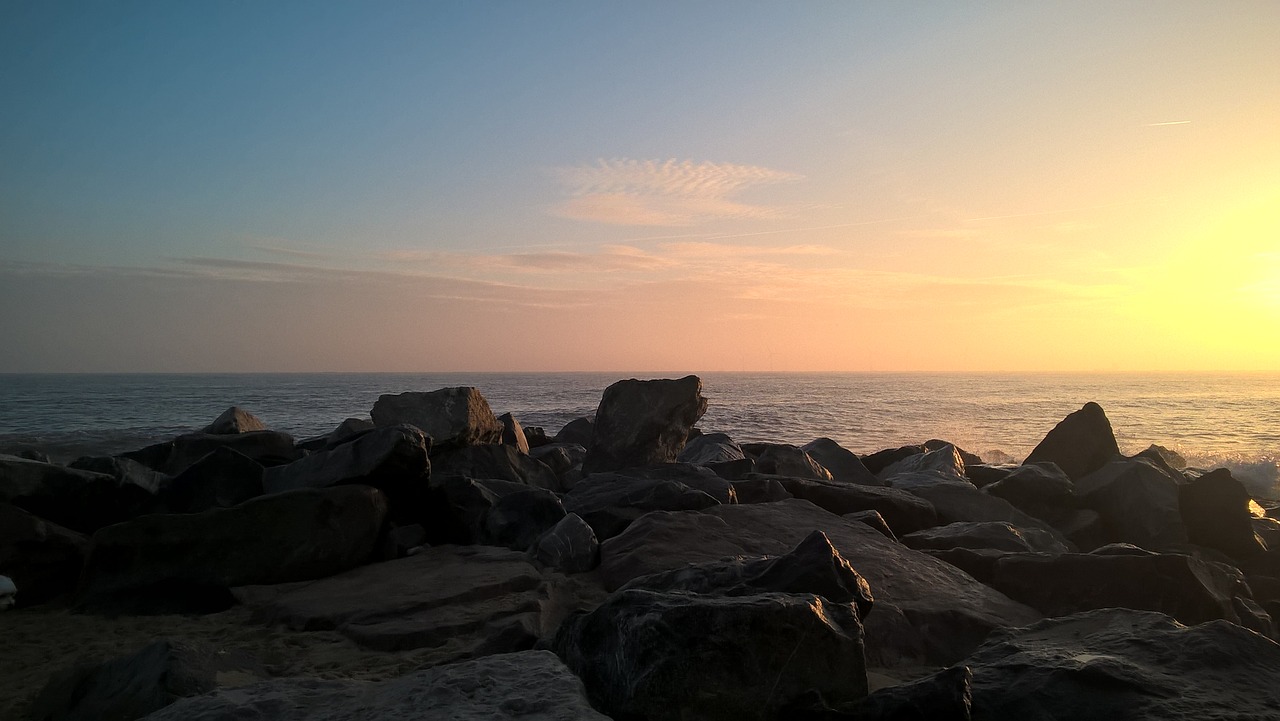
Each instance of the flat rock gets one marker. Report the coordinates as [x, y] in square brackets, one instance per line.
[640, 423]
[451, 417]
[994, 535]
[1080, 444]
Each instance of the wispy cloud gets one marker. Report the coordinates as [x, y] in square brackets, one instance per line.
[623, 191]
[1167, 122]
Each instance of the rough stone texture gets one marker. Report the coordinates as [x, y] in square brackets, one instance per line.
[609, 502]
[660, 656]
[880, 460]
[126, 471]
[223, 478]
[186, 561]
[475, 599]
[459, 507]
[872, 519]
[1080, 444]
[559, 457]
[944, 461]
[569, 546]
[955, 502]
[904, 512]
[843, 464]
[347, 430]
[235, 420]
[995, 535]
[760, 489]
[80, 500]
[1172, 459]
[43, 559]
[944, 696]
[579, 431]
[782, 459]
[501, 461]
[984, 474]
[270, 448]
[640, 423]
[451, 417]
[711, 448]
[1215, 511]
[528, 686]
[1124, 664]
[130, 687]
[518, 519]
[1138, 501]
[1034, 488]
[513, 433]
[926, 610]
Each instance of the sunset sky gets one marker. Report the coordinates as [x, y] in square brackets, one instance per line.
[431, 186]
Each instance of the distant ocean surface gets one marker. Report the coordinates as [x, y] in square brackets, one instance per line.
[1211, 419]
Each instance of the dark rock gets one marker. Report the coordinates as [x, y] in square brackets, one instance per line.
[235, 420]
[962, 502]
[609, 502]
[695, 477]
[536, 436]
[977, 562]
[569, 546]
[166, 562]
[130, 687]
[1083, 527]
[80, 500]
[781, 459]
[1138, 501]
[559, 457]
[1172, 459]
[904, 512]
[733, 470]
[944, 461]
[640, 423]
[459, 507]
[499, 461]
[967, 458]
[984, 474]
[995, 535]
[843, 464]
[451, 417]
[579, 431]
[1268, 529]
[222, 479]
[347, 430]
[710, 448]
[1215, 512]
[1080, 444]
[943, 696]
[43, 558]
[926, 611]
[1121, 549]
[404, 539]
[270, 448]
[513, 433]
[659, 656]
[880, 460]
[518, 519]
[1034, 488]
[126, 471]
[529, 686]
[872, 519]
[760, 489]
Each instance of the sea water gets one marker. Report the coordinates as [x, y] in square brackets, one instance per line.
[1230, 419]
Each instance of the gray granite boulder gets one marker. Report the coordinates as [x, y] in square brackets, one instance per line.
[843, 464]
[235, 420]
[569, 546]
[641, 423]
[451, 417]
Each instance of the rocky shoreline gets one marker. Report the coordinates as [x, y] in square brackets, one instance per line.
[438, 561]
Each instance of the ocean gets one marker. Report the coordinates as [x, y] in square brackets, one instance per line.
[1212, 419]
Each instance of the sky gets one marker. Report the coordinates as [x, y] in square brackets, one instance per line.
[712, 186]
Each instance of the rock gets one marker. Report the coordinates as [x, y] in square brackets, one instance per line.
[569, 546]
[451, 417]
[659, 656]
[270, 448]
[1125, 664]
[166, 562]
[733, 470]
[760, 489]
[640, 423]
[995, 535]
[1121, 549]
[943, 696]
[956, 502]
[1268, 529]
[459, 508]
[513, 433]
[579, 430]
[1083, 527]
[710, 448]
[347, 430]
[518, 519]
[1080, 444]
[529, 686]
[559, 457]
[8, 593]
[904, 512]
[1215, 512]
[42, 557]
[80, 500]
[926, 610]
[1190, 590]
[500, 461]
[476, 599]
[1138, 501]
[880, 460]
[984, 474]
[235, 420]
[404, 540]
[781, 459]
[843, 464]
[536, 436]
[126, 471]
[223, 478]
[872, 519]
[609, 502]
[944, 461]
[695, 477]
[977, 562]
[130, 687]
[1035, 488]
[1172, 459]
[967, 458]
[392, 459]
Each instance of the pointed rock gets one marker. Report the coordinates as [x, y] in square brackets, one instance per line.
[1080, 444]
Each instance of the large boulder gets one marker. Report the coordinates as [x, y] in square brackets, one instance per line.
[1036, 488]
[495, 460]
[995, 535]
[609, 502]
[904, 512]
[955, 502]
[452, 417]
[516, 520]
[166, 562]
[569, 546]
[83, 501]
[458, 510]
[1080, 444]
[513, 433]
[843, 464]
[640, 423]
[270, 448]
[926, 610]
[579, 430]
[709, 448]
[560, 458]
[235, 420]
[43, 558]
[784, 459]
[943, 461]
[1215, 512]
[880, 460]
[223, 478]
[126, 471]
[1139, 502]
[524, 686]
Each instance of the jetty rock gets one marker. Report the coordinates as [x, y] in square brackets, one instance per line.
[452, 417]
[1080, 444]
[640, 423]
[235, 420]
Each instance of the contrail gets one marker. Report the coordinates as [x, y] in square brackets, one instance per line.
[1171, 122]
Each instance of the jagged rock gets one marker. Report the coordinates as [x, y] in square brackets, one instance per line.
[536, 436]
[659, 656]
[843, 464]
[880, 460]
[579, 431]
[529, 686]
[733, 470]
[518, 519]
[943, 461]
[1080, 444]
[460, 506]
[926, 610]
[782, 459]
[270, 448]
[1035, 488]
[967, 458]
[165, 562]
[513, 433]
[710, 448]
[451, 417]
[500, 461]
[872, 519]
[995, 535]
[347, 430]
[1083, 527]
[477, 599]
[1172, 459]
[559, 457]
[126, 471]
[42, 558]
[235, 420]
[640, 423]
[760, 489]
[984, 474]
[223, 478]
[955, 502]
[904, 512]
[130, 687]
[1268, 529]
[609, 502]
[1138, 501]
[569, 546]
[80, 500]
[1215, 512]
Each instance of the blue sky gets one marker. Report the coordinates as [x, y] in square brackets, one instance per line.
[829, 171]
